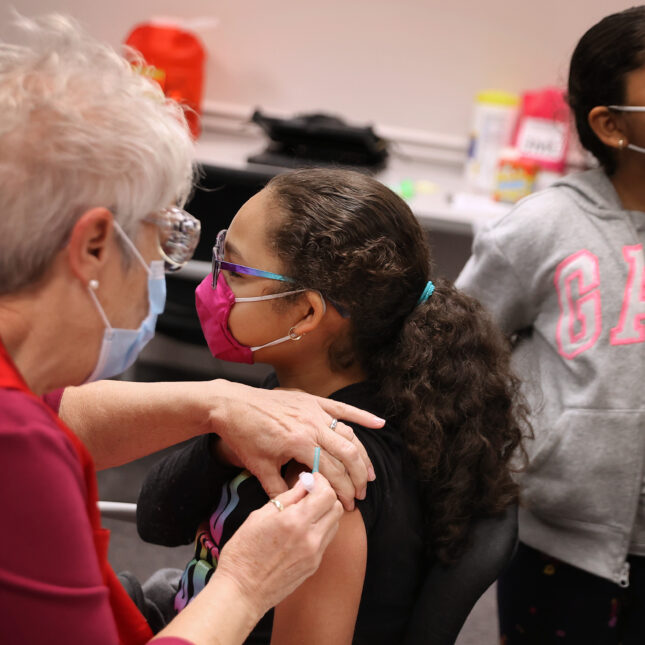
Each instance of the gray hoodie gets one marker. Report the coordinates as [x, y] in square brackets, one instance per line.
[564, 273]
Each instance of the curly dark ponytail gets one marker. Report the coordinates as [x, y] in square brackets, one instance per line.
[449, 377]
[442, 366]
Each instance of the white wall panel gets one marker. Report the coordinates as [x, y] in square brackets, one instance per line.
[406, 63]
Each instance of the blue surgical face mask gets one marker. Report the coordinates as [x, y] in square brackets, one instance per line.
[121, 347]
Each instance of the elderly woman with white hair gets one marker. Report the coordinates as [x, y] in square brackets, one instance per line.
[95, 165]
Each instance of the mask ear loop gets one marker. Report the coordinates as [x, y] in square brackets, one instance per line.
[290, 336]
[322, 298]
[271, 296]
[292, 332]
[91, 287]
[131, 246]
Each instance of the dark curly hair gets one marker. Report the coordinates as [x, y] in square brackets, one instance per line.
[606, 53]
[442, 366]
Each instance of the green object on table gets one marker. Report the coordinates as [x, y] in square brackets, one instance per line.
[406, 189]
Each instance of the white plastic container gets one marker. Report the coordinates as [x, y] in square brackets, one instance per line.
[493, 123]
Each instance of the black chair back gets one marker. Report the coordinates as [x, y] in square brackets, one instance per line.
[449, 592]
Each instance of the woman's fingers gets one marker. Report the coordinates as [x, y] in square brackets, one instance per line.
[268, 474]
[275, 550]
[266, 429]
[334, 471]
[349, 413]
[343, 461]
[340, 410]
[291, 496]
[347, 433]
[343, 457]
[318, 503]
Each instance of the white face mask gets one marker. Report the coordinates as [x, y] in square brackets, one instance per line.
[120, 347]
[630, 108]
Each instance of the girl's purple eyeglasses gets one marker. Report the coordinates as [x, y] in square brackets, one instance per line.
[219, 264]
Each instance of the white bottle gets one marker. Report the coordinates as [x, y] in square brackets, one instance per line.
[493, 122]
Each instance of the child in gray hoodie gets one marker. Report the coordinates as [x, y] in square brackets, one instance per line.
[564, 273]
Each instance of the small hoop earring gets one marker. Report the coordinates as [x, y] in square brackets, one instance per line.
[621, 143]
[93, 284]
[293, 335]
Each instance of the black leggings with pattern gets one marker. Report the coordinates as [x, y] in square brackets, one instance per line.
[543, 601]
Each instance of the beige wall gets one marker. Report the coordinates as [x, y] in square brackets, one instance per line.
[407, 63]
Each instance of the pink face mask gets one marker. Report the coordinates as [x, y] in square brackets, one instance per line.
[214, 308]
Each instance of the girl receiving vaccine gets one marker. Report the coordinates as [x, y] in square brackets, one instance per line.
[326, 275]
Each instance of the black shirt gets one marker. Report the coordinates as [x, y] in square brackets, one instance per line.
[189, 493]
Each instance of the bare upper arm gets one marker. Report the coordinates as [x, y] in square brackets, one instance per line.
[323, 609]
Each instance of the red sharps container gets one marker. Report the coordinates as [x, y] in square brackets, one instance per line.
[175, 57]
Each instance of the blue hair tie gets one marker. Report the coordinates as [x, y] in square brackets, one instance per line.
[427, 292]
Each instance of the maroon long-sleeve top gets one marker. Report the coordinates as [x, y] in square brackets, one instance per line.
[56, 586]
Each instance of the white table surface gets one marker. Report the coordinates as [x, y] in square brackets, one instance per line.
[447, 206]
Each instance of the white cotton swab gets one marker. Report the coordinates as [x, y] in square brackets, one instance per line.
[307, 480]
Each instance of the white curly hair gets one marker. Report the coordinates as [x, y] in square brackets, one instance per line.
[80, 127]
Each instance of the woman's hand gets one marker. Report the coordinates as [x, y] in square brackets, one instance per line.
[268, 557]
[265, 429]
[120, 421]
[274, 551]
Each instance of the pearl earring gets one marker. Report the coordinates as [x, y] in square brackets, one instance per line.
[621, 143]
[93, 284]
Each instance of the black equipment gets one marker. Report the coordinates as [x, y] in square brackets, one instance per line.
[310, 140]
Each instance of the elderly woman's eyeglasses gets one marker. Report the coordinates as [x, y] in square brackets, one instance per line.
[219, 263]
[178, 236]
